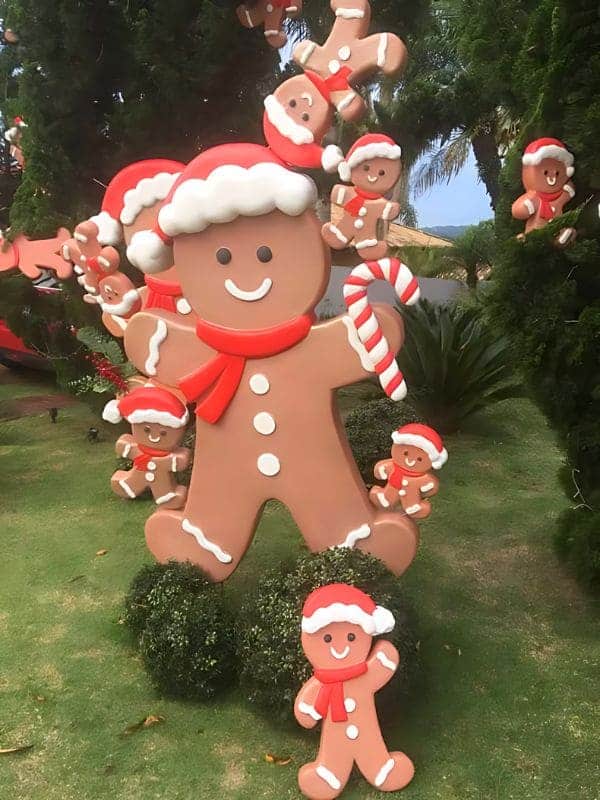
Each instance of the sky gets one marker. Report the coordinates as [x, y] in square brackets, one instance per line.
[463, 201]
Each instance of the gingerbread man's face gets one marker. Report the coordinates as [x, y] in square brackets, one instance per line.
[337, 646]
[550, 175]
[411, 458]
[378, 175]
[305, 106]
[160, 437]
[119, 295]
[254, 272]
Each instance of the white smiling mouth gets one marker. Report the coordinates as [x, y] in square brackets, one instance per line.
[410, 463]
[551, 181]
[154, 439]
[372, 178]
[341, 655]
[249, 297]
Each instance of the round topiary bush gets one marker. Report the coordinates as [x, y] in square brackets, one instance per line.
[370, 428]
[184, 631]
[272, 664]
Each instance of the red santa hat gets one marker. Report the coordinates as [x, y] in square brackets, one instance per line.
[134, 188]
[372, 145]
[339, 602]
[12, 134]
[547, 147]
[147, 404]
[218, 186]
[20, 122]
[426, 439]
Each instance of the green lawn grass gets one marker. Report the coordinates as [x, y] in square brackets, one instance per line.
[507, 704]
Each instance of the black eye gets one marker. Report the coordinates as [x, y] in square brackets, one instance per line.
[351, 637]
[545, 172]
[293, 104]
[327, 638]
[419, 458]
[382, 172]
[264, 254]
[557, 173]
[223, 255]
[146, 428]
[406, 452]
[163, 433]
[305, 117]
[366, 168]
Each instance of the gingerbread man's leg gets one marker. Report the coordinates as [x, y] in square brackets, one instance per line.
[388, 772]
[330, 504]
[384, 497]
[320, 782]
[216, 526]
[340, 235]
[167, 493]
[129, 484]
[420, 509]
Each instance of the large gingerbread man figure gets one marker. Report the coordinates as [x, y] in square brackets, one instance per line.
[242, 229]
[547, 171]
[271, 14]
[373, 167]
[299, 113]
[416, 450]
[158, 419]
[338, 625]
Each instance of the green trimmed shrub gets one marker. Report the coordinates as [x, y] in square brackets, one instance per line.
[184, 632]
[272, 664]
[370, 428]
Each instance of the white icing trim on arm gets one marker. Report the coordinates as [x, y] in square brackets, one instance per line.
[310, 711]
[157, 338]
[386, 662]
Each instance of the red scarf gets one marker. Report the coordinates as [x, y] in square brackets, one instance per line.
[354, 206]
[331, 693]
[223, 373]
[338, 82]
[546, 199]
[162, 294]
[395, 479]
[94, 265]
[146, 455]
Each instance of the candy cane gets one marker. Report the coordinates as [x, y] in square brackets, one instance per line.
[365, 322]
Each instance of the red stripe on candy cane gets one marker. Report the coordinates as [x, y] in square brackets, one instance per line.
[365, 322]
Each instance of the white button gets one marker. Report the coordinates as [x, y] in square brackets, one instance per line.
[363, 212]
[404, 482]
[259, 384]
[352, 732]
[183, 306]
[344, 52]
[358, 224]
[334, 66]
[350, 705]
[264, 423]
[268, 464]
[402, 493]
[150, 477]
[152, 465]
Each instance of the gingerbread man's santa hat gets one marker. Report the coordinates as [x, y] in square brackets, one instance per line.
[12, 134]
[218, 186]
[134, 188]
[150, 404]
[426, 439]
[372, 145]
[547, 147]
[340, 602]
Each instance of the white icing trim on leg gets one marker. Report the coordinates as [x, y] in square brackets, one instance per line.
[356, 535]
[382, 50]
[366, 243]
[529, 206]
[127, 488]
[413, 509]
[338, 234]
[328, 776]
[310, 711]
[157, 338]
[382, 499]
[358, 347]
[386, 662]
[220, 555]
[383, 773]
[165, 498]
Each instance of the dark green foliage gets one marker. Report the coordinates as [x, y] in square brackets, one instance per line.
[454, 364]
[547, 300]
[184, 631]
[370, 428]
[272, 664]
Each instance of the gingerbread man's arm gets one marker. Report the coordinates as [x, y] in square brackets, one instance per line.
[338, 351]
[524, 207]
[304, 709]
[342, 194]
[430, 486]
[180, 459]
[569, 190]
[382, 664]
[383, 469]
[126, 446]
[164, 347]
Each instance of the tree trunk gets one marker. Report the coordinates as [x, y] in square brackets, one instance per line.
[488, 164]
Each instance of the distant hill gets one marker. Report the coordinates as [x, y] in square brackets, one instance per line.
[447, 231]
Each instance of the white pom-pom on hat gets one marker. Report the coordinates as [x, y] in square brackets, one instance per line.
[109, 228]
[111, 412]
[332, 158]
[150, 252]
[344, 172]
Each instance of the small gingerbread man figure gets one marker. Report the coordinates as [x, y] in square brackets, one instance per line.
[271, 14]
[373, 167]
[547, 169]
[91, 260]
[158, 419]
[338, 625]
[416, 449]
